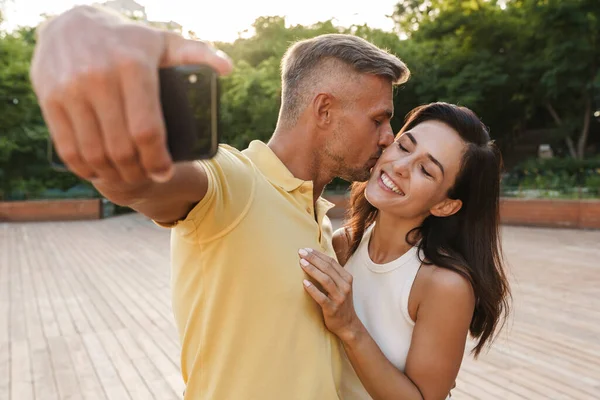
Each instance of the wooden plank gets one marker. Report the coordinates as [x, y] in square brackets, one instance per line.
[171, 373]
[5, 370]
[66, 378]
[21, 374]
[113, 386]
[551, 387]
[151, 375]
[29, 303]
[43, 372]
[103, 316]
[477, 388]
[137, 388]
[89, 382]
[60, 270]
[6, 259]
[51, 300]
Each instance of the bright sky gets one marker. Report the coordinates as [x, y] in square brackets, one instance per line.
[223, 19]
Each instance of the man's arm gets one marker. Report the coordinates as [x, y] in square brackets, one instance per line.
[162, 202]
[96, 78]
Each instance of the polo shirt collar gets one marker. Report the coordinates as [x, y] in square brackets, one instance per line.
[271, 166]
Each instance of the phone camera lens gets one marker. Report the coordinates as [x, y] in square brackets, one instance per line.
[193, 78]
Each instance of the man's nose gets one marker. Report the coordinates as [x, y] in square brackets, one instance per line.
[386, 137]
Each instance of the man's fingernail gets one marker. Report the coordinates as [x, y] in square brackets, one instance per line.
[303, 252]
[306, 283]
[161, 177]
[304, 262]
[222, 54]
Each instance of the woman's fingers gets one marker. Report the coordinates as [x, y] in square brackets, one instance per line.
[326, 281]
[316, 294]
[327, 272]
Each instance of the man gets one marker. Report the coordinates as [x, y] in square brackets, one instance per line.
[247, 328]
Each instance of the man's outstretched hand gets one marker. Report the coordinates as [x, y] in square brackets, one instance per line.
[96, 78]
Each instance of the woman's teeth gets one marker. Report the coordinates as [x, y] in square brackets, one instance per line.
[390, 184]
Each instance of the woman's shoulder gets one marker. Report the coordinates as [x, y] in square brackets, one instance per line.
[445, 278]
[440, 290]
[437, 282]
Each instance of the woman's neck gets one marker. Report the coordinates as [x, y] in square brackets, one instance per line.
[388, 239]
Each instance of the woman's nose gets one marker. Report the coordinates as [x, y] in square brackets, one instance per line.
[401, 166]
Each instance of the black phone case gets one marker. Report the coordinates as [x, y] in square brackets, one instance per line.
[192, 125]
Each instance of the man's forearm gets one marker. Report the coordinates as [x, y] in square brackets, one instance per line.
[125, 194]
[164, 202]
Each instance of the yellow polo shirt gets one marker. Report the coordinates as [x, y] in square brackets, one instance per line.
[247, 327]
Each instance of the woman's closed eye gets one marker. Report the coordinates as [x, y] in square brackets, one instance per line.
[426, 172]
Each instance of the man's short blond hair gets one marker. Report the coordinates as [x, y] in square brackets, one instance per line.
[308, 63]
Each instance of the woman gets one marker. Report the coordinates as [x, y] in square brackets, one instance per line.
[422, 256]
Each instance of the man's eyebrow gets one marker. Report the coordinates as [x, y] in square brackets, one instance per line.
[389, 114]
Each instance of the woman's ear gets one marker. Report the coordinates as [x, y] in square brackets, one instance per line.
[446, 208]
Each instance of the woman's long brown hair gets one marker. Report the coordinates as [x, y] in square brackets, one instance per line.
[467, 242]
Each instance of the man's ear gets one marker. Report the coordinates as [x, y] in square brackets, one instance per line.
[322, 106]
[446, 208]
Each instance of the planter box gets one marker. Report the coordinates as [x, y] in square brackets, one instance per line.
[551, 213]
[582, 214]
[51, 210]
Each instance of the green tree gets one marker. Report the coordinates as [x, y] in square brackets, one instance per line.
[508, 60]
[251, 95]
[271, 39]
[561, 58]
[23, 133]
[464, 52]
[250, 102]
[20, 121]
[519, 64]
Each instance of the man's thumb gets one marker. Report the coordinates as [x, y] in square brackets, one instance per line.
[180, 51]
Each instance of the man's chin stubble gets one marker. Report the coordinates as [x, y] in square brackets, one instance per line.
[357, 176]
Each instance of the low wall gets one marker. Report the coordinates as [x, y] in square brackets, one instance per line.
[583, 214]
[50, 210]
[551, 213]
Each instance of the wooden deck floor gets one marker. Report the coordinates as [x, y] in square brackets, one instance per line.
[85, 314]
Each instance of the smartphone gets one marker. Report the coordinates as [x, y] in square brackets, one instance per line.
[189, 98]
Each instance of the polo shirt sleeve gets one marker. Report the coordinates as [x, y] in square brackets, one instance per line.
[231, 183]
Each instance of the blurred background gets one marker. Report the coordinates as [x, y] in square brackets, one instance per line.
[85, 305]
[529, 68]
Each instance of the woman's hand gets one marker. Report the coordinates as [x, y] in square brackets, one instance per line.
[336, 302]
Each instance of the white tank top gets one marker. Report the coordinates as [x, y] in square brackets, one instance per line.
[381, 294]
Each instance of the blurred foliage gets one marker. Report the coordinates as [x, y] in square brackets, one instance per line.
[555, 177]
[521, 65]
